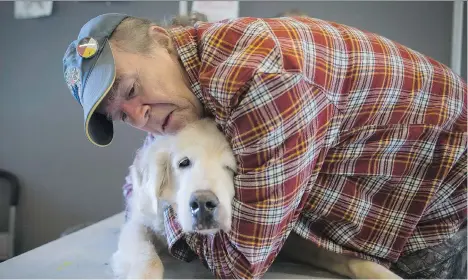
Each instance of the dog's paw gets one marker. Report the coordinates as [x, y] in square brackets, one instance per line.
[119, 265]
[135, 267]
[146, 269]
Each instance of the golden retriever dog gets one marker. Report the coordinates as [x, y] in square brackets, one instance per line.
[193, 172]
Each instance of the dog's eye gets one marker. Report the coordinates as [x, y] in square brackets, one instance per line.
[185, 162]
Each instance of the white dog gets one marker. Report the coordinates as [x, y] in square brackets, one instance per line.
[193, 172]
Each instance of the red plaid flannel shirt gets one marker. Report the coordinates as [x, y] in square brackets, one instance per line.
[355, 142]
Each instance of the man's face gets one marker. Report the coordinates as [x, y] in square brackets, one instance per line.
[151, 92]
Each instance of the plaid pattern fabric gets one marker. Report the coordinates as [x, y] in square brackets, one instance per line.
[353, 141]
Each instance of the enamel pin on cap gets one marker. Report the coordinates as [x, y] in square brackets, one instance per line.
[87, 47]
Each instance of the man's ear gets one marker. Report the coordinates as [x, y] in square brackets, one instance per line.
[161, 37]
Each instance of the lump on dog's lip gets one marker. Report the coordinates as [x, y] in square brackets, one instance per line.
[211, 226]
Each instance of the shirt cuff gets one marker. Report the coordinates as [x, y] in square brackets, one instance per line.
[177, 245]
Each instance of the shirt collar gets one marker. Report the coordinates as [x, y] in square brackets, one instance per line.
[185, 42]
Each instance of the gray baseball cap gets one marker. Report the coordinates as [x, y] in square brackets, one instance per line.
[89, 71]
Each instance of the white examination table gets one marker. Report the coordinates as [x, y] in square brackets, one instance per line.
[86, 253]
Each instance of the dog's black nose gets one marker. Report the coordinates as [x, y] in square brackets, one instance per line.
[203, 205]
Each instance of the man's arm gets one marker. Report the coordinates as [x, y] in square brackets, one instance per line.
[275, 119]
[277, 142]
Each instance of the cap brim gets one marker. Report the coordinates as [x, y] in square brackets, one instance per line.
[99, 129]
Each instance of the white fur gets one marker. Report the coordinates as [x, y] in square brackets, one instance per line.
[158, 182]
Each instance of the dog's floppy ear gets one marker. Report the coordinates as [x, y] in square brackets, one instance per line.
[151, 173]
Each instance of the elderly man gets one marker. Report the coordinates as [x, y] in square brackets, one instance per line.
[349, 140]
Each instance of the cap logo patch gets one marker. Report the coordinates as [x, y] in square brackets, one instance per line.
[87, 47]
[73, 79]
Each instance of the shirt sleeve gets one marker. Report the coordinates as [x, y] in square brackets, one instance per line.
[275, 120]
[274, 137]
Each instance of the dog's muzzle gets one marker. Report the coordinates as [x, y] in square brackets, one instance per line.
[204, 208]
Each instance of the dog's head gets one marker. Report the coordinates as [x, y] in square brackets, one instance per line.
[193, 172]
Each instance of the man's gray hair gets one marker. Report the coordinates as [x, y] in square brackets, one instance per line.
[132, 33]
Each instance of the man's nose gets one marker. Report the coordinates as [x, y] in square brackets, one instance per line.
[137, 113]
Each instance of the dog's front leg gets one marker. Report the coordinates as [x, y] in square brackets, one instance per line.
[347, 266]
[363, 269]
[136, 256]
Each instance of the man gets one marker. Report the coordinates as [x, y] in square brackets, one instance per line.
[343, 137]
